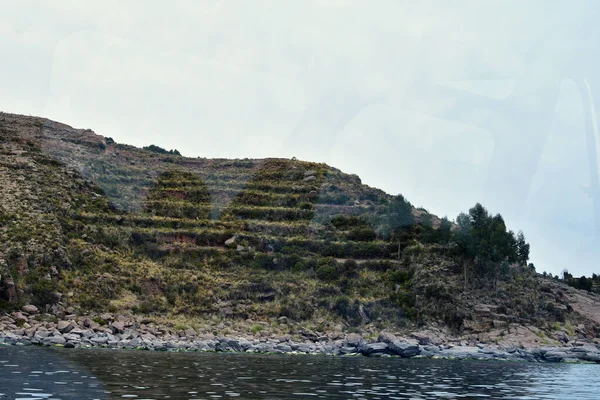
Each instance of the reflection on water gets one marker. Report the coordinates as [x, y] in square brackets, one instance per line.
[35, 373]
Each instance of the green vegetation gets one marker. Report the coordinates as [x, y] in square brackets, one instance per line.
[136, 230]
[157, 149]
[591, 284]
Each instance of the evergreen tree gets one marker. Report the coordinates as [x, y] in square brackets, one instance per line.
[397, 215]
[522, 248]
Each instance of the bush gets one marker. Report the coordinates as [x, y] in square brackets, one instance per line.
[43, 292]
[366, 234]
[328, 270]
[348, 310]
[159, 150]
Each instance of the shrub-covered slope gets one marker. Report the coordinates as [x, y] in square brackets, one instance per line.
[95, 225]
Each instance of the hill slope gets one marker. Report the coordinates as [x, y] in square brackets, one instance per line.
[96, 226]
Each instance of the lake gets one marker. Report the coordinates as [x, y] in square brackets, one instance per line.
[54, 373]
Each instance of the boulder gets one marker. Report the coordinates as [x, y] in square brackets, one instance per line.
[368, 349]
[310, 178]
[422, 338]
[404, 349]
[594, 357]
[482, 310]
[225, 345]
[99, 340]
[305, 348]
[106, 317]
[354, 340]
[19, 317]
[231, 241]
[65, 326]
[556, 356]
[499, 324]
[54, 340]
[30, 309]
[117, 327]
[245, 344]
[562, 337]
[348, 350]
[190, 333]
[284, 348]
[386, 337]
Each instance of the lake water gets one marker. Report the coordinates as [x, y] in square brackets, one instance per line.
[51, 373]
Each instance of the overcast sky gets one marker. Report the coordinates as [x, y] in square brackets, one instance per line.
[447, 102]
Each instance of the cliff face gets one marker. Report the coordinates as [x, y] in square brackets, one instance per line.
[92, 224]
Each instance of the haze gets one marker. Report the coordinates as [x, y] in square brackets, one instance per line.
[446, 102]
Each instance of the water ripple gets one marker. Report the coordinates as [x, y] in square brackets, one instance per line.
[106, 374]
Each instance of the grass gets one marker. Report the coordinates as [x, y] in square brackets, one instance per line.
[132, 231]
[256, 328]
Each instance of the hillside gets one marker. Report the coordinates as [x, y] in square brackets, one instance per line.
[90, 226]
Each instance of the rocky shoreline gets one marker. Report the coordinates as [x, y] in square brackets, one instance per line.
[120, 332]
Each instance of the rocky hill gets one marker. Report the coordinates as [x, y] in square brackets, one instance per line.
[91, 226]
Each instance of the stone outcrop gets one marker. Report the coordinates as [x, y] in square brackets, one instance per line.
[135, 333]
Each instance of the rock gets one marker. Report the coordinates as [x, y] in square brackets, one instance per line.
[562, 337]
[282, 320]
[354, 340]
[310, 335]
[284, 347]
[117, 327]
[65, 326]
[54, 340]
[19, 317]
[555, 356]
[69, 345]
[421, 338]
[499, 324]
[368, 349]
[71, 337]
[310, 178]
[98, 340]
[226, 345]
[244, 344]
[30, 309]
[310, 172]
[386, 337]
[106, 317]
[231, 241]
[404, 349]
[348, 350]
[594, 357]
[190, 333]
[240, 247]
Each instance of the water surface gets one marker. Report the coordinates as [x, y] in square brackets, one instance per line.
[38, 373]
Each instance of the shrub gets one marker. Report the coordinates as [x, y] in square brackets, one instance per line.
[365, 234]
[43, 292]
[159, 150]
[327, 270]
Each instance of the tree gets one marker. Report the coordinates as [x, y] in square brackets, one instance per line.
[398, 214]
[445, 230]
[487, 245]
[522, 249]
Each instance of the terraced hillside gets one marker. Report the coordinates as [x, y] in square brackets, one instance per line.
[96, 225]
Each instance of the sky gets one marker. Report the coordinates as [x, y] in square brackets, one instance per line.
[448, 102]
